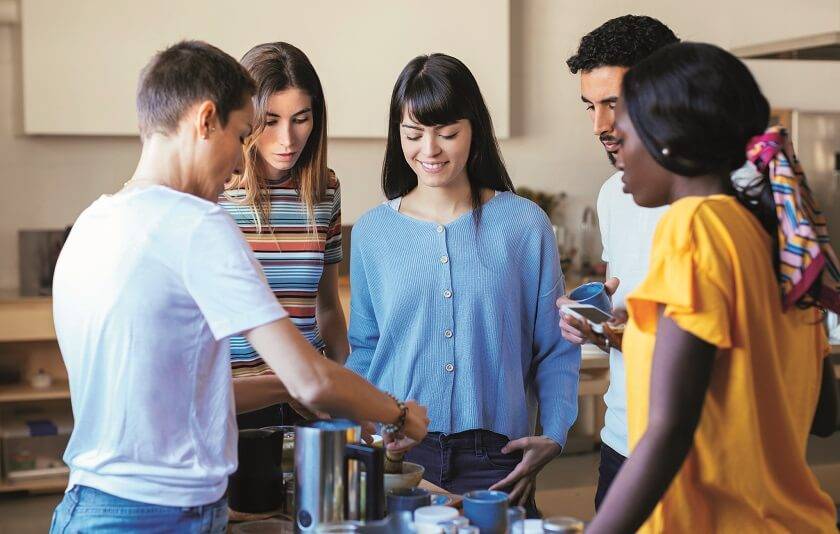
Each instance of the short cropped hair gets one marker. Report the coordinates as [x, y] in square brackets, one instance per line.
[183, 75]
[620, 42]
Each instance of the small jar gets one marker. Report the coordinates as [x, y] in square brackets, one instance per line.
[562, 525]
[435, 515]
[41, 380]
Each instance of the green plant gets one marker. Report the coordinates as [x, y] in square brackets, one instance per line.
[548, 202]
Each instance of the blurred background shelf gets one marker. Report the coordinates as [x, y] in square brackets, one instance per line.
[25, 319]
[51, 484]
[28, 346]
[26, 393]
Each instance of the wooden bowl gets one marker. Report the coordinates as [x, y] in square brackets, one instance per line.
[411, 476]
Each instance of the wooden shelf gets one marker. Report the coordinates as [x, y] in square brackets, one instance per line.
[26, 393]
[45, 485]
[26, 319]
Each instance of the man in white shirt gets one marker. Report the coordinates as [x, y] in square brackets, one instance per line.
[148, 287]
[603, 57]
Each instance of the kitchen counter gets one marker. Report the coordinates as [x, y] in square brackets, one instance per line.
[281, 523]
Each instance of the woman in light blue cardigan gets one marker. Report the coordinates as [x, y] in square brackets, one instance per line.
[453, 286]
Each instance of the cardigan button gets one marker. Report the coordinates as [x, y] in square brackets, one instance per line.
[440, 228]
[447, 294]
[449, 367]
[444, 259]
[447, 333]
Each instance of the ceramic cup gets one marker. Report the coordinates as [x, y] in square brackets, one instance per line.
[593, 294]
[407, 499]
[487, 510]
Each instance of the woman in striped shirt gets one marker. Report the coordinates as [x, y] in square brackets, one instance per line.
[288, 205]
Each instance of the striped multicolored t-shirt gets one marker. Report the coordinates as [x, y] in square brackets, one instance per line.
[292, 258]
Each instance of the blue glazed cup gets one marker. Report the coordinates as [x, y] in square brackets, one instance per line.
[593, 294]
[487, 510]
[407, 499]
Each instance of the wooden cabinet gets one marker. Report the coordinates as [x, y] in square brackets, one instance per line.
[28, 344]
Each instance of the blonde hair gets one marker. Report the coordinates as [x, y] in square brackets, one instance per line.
[277, 67]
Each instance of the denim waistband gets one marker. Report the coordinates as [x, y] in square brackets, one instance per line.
[478, 439]
[87, 496]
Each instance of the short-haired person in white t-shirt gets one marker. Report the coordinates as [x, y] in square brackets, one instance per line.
[605, 54]
[149, 286]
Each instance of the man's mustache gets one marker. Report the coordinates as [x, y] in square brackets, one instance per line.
[605, 138]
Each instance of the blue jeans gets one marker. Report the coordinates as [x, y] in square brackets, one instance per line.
[467, 461]
[611, 462]
[85, 509]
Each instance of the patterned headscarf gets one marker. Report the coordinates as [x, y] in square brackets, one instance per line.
[805, 253]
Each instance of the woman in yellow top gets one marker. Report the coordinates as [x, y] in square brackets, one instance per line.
[722, 376]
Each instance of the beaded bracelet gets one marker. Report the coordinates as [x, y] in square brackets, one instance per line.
[393, 428]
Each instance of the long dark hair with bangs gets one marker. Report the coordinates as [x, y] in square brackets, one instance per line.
[438, 89]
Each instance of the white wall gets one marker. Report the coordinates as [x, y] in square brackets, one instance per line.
[98, 62]
[803, 85]
[49, 180]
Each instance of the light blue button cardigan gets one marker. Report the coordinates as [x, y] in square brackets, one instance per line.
[463, 320]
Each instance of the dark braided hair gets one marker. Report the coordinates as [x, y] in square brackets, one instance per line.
[620, 42]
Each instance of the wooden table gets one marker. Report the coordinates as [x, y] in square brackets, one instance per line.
[457, 500]
[594, 371]
[273, 525]
[594, 381]
[426, 485]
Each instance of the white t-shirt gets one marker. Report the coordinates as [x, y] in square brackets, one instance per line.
[627, 236]
[148, 287]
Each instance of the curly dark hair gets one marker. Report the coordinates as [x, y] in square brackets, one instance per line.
[620, 42]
